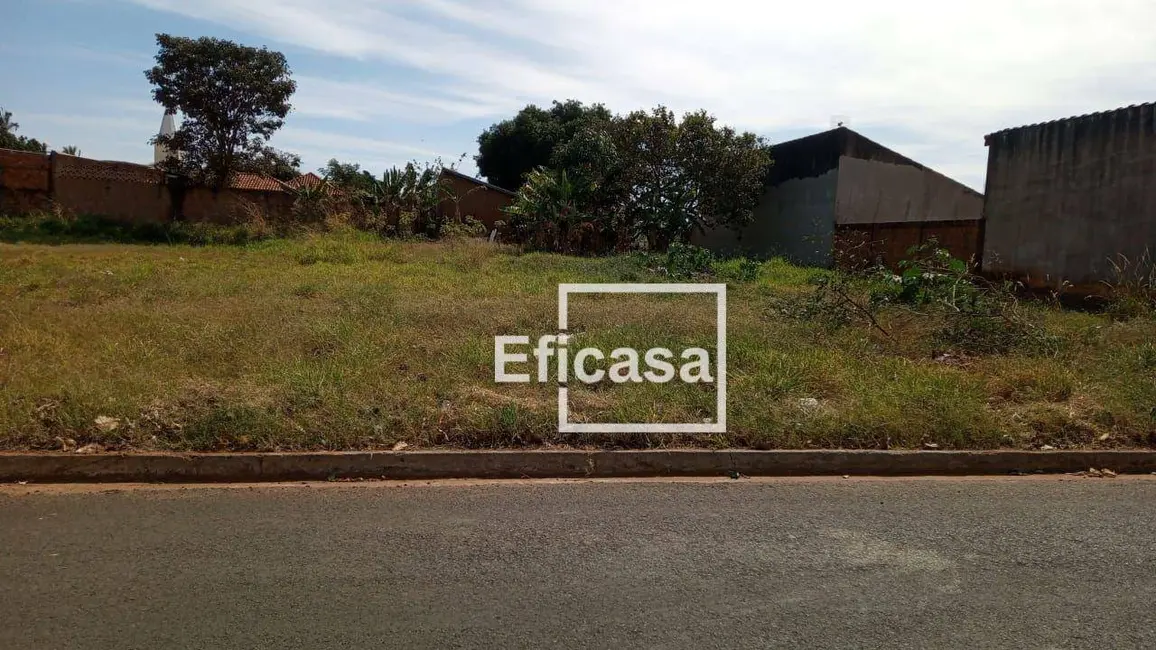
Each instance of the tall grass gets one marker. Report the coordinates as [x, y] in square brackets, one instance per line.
[345, 341]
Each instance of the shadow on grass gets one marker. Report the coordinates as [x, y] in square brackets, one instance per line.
[91, 229]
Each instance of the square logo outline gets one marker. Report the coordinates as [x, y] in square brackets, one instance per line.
[720, 421]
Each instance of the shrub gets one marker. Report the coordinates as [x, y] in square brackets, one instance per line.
[740, 269]
[685, 262]
[465, 228]
[967, 313]
[688, 262]
[929, 275]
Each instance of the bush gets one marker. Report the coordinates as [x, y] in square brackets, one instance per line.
[740, 269]
[62, 229]
[966, 313]
[467, 227]
[686, 262]
[929, 275]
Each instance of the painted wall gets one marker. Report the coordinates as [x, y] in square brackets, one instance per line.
[794, 219]
[1064, 197]
[872, 191]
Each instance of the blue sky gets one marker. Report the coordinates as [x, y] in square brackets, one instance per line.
[381, 82]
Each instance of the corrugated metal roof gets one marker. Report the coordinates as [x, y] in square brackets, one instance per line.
[1085, 116]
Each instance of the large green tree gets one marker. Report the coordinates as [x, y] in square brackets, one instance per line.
[510, 149]
[682, 176]
[646, 176]
[231, 97]
[263, 159]
[9, 139]
[348, 176]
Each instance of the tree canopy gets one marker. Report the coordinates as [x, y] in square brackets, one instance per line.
[510, 149]
[231, 97]
[9, 139]
[263, 159]
[348, 176]
[645, 176]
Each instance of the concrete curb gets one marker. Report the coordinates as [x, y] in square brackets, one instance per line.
[421, 465]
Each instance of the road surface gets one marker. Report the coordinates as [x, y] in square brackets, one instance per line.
[808, 563]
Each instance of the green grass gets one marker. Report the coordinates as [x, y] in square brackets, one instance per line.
[345, 341]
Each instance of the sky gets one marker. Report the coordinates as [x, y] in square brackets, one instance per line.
[382, 82]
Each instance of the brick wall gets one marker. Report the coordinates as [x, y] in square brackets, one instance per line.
[141, 194]
[203, 204]
[859, 246]
[475, 199]
[117, 190]
[25, 181]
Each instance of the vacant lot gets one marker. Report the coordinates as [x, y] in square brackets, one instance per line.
[345, 341]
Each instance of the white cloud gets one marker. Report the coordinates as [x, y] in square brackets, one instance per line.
[309, 140]
[939, 74]
[110, 137]
[126, 138]
[317, 97]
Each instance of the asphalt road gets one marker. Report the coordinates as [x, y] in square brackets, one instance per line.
[980, 563]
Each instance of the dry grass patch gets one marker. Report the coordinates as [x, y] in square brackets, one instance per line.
[345, 341]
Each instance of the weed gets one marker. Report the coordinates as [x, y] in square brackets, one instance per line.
[1132, 291]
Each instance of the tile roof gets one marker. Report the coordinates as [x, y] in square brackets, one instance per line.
[259, 182]
[308, 179]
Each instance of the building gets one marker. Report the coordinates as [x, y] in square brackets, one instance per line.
[472, 197]
[839, 198]
[1066, 197]
[308, 179]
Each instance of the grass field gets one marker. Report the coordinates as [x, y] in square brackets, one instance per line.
[344, 341]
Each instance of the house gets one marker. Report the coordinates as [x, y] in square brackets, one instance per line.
[839, 198]
[472, 197]
[308, 179]
[1066, 197]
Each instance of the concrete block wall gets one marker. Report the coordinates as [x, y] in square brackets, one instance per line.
[1066, 196]
[872, 191]
[795, 219]
[824, 188]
